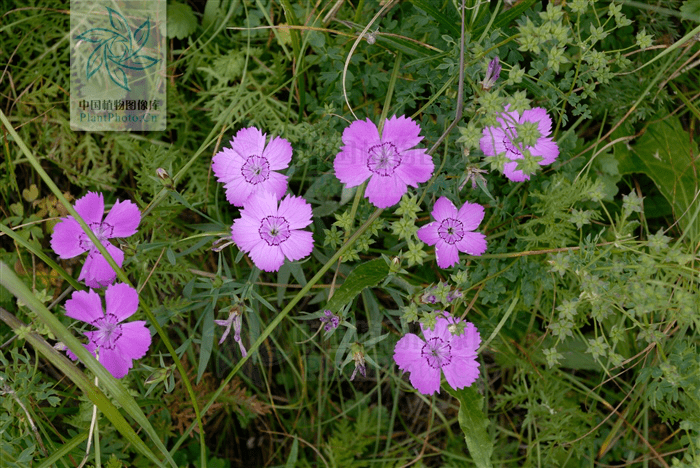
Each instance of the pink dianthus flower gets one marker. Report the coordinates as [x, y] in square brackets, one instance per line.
[270, 233]
[248, 166]
[69, 240]
[117, 343]
[452, 231]
[389, 161]
[454, 355]
[504, 139]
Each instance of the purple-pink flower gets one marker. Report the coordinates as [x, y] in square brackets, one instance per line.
[69, 240]
[452, 231]
[236, 320]
[454, 355]
[330, 320]
[270, 233]
[492, 73]
[388, 161]
[504, 139]
[248, 166]
[117, 343]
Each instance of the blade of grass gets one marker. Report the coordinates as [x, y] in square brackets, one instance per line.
[63, 451]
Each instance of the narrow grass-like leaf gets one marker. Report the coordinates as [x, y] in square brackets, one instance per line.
[63, 451]
[293, 455]
[207, 341]
[405, 46]
[441, 19]
[282, 279]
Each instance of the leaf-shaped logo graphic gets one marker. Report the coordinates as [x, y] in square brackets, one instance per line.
[142, 34]
[96, 35]
[139, 62]
[118, 76]
[115, 49]
[118, 22]
[95, 60]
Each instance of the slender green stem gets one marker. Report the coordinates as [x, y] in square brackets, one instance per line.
[390, 91]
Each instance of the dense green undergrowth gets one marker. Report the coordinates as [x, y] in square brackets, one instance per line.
[586, 298]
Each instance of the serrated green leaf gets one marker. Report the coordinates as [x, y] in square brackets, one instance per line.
[364, 276]
[474, 423]
[691, 10]
[666, 155]
[181, 21]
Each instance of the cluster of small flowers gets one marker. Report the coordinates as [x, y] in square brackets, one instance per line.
[270, 227]
[518, 144]
[114, 343]
[392, 163]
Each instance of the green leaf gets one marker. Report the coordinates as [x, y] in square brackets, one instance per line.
[207, 341]
[691, 10]
[474, 423]
[506, 17]
[171, 256]
[364, 276]
[212, 10]
[293, 455]
[30, 194]
[665, 154]
[181, 21]
[442, 19]
[404, 46]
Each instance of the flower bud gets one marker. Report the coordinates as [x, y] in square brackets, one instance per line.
[165, 178]
[492, 73]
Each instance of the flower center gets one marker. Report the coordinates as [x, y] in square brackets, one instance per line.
[256, 169]
[512, 150]
[108, 331]
[274, 230]
[437, 353]
[102, 231]
[383, 159]
[451, 230]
